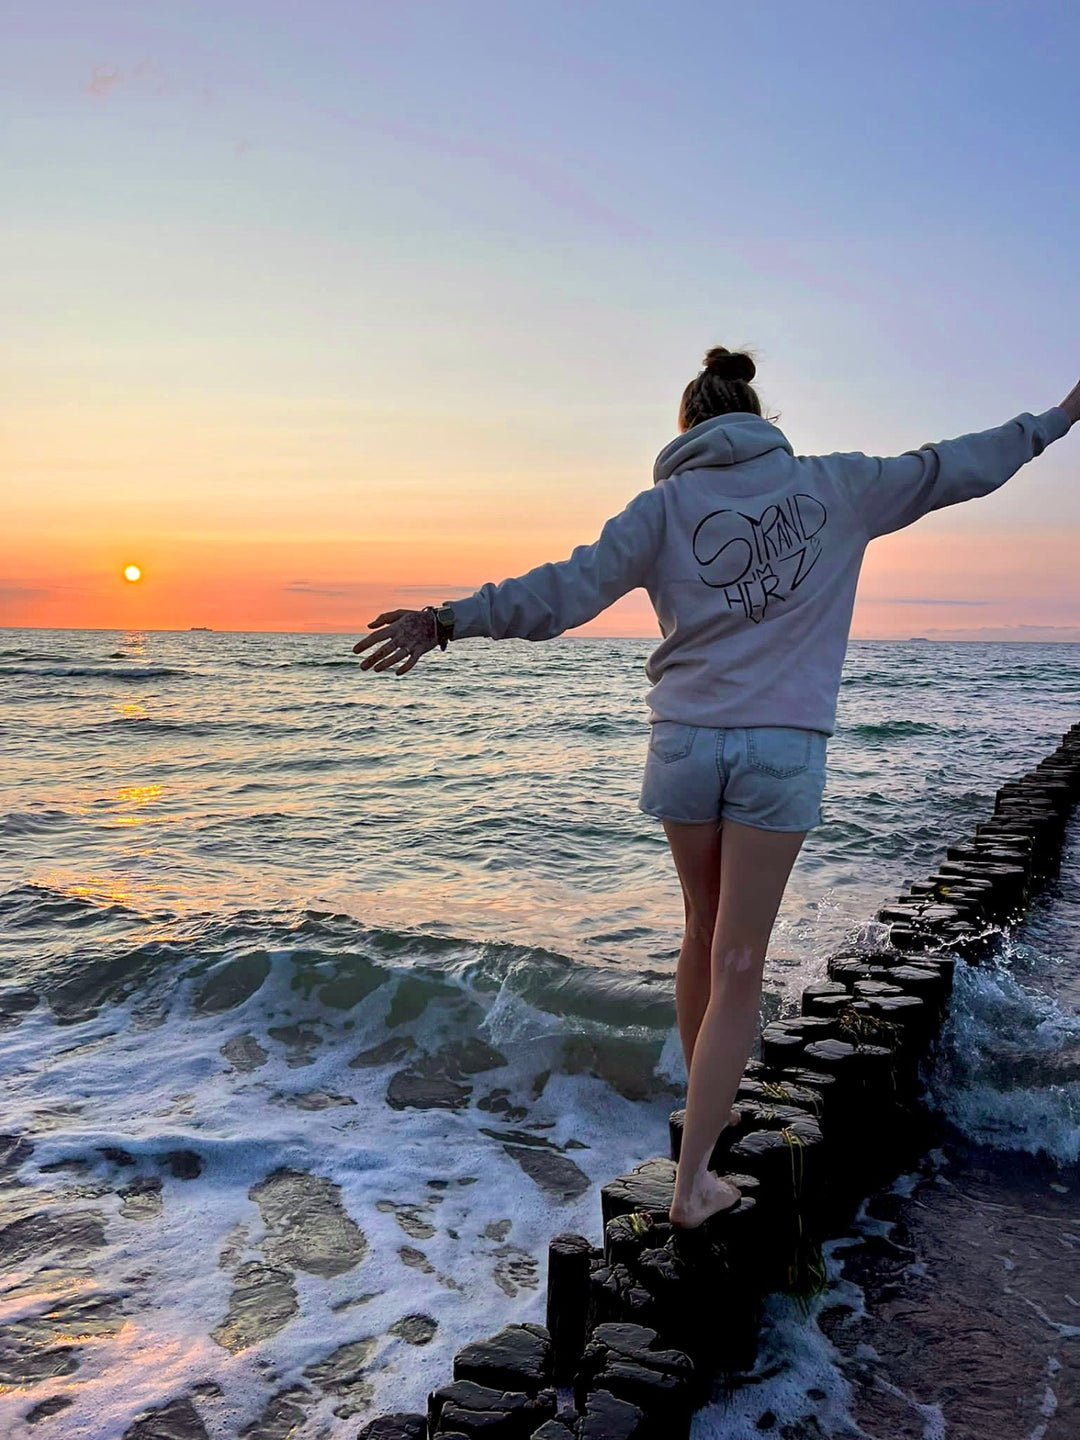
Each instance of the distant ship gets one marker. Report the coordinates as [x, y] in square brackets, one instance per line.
[206, 629]
[925, 639]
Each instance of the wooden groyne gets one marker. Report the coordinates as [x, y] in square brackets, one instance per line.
[641, 1327]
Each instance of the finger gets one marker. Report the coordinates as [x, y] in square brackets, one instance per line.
[388, 649]
[388, 617]
[391, 660]
[377, 637]
[408, 665]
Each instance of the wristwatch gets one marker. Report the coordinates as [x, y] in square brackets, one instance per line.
[444, 625]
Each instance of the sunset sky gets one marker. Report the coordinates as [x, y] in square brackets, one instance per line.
[315, 309]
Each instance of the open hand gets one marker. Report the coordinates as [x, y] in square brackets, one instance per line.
[402, 636]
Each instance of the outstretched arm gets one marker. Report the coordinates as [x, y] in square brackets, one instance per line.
[541, 604]
[894, 492]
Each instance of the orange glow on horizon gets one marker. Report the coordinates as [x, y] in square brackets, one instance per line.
[920, 582]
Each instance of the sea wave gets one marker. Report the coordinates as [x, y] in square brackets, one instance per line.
[1009, 1072]
[895, 729]
[97, 672]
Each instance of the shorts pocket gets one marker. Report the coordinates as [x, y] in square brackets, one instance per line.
[779, 750]
[669, 740]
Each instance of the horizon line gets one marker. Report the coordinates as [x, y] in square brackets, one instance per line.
[211, 630]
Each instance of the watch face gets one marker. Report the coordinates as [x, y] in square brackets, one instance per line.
[445, 614]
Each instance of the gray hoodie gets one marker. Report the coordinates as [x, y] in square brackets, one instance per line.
[751, 555]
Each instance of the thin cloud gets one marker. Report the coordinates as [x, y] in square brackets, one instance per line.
[104, 80]
[454, 588]
[305, 587]
[918, 600]
[22, 594]
[342, 589]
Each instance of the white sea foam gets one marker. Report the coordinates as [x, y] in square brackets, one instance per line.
[995, 1078]
[152, 1092]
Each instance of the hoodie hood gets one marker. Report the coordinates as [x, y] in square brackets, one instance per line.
[725, 440]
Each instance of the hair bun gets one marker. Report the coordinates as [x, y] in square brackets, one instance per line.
[730, 366]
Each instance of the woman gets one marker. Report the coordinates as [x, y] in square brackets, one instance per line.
[750, 555]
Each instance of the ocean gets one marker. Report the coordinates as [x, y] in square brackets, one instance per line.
[328, 998]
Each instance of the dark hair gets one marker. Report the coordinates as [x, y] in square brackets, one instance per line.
[723, 386]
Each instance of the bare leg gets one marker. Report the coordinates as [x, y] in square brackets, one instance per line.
[755, 871]
[696, 851]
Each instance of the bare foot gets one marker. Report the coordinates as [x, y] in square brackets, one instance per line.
[709, 1196]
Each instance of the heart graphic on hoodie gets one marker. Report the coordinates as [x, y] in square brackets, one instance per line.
[756, 559]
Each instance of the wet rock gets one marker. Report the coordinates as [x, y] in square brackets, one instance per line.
[496, 1102]
[551, 1171]
[340, 981]
[314, 1100]
[627, 1344]
[350, 1302]
[142, 1198]
[515, 1270]
[263, 1301]
[23, 1362]
[44, 1408]
[480, 1410]
[178, 1420]
[615, 1294]
[416, 1260]
[388, 1052]
[425, 1086]
[471, 1056]
[183, 1164]
[415, 1329]
[283, 1417]
[72, 1164]
[60, 1235]
[342, 1374]
[520, 1137]
[91, 982]
[409, 1217]
[627, 1063]
[415, 992]
[395, 1427]
[435, 1082]
[553, 1430]
[517, 1358]
[569, 1257]
[307, 1225]
[244, 1053]
[232, 1247]
[116, 1155]
[231, 983]
[607, 1418]
[300, 1043]
[661, 1394]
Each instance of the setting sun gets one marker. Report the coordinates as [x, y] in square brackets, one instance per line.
[132, 573]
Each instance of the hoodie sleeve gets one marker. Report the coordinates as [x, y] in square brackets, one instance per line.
[892, 493]
[556, 597]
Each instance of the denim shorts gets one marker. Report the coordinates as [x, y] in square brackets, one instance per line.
[768, 776]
